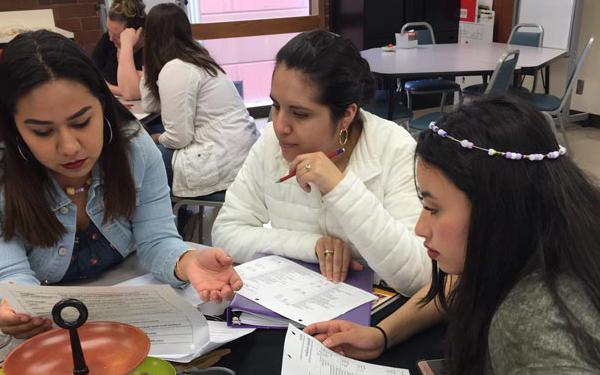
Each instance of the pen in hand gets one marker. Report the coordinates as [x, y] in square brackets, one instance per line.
[330, 155]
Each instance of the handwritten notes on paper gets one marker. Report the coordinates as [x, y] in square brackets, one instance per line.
[296, 292]
[303, 354]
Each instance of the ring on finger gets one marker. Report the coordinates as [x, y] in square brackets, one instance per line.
[307, 166]
[328, 252]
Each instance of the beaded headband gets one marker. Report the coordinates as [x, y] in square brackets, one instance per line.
[491, 152]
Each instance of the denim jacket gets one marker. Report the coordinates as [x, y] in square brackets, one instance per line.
[150, 231]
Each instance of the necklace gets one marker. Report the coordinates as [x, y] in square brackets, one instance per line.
[70, 190]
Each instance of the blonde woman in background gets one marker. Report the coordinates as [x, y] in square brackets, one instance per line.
[118, 54]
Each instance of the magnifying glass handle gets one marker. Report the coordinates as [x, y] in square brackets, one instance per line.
[79, 366]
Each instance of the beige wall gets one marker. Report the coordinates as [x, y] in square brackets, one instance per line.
[590, 73]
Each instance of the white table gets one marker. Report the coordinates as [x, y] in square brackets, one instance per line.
[13, 22]
[453, 59]
[135, 107]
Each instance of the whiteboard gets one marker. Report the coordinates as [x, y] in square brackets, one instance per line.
[557, 17]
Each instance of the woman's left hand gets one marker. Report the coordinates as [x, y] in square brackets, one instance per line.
[211, 273]
[318, 169]
[131, 37]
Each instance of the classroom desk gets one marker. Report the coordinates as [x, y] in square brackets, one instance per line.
[456, 59]
[261, 351]
[453, 59]
[13, 22]
[135, 107]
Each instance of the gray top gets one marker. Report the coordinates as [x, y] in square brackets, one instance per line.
[528, 335]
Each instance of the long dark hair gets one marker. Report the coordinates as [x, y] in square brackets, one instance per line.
[29, 60]
[526, 216]
[131, 13]
[334, 65]
[168, 36]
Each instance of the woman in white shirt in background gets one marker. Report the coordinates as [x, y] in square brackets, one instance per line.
[208, 131]
[360, 206]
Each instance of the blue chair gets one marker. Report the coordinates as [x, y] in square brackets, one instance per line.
[557, 107]
[499, 83]
[520, 37]
[426, 36]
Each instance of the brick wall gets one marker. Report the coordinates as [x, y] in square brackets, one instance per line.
[79, 16]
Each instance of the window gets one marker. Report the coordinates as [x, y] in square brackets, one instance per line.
[244, 36]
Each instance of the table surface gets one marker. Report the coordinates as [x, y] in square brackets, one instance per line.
[454, 59]
[261, 352]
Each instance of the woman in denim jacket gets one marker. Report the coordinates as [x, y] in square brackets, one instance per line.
[82, 185]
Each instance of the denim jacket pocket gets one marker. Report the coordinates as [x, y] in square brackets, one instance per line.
[200, 165]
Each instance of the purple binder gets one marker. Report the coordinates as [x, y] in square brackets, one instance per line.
[360, 315]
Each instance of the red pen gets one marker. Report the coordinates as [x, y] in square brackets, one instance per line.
[330, 155]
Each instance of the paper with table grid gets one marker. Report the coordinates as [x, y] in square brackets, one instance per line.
[303, 354]
[296, 292]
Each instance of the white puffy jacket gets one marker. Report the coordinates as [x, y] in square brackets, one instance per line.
[374, 208]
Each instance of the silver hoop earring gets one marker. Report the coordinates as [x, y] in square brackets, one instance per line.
[344, 134]
[21, 152]
[110, 131]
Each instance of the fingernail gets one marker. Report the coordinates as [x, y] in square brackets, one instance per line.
[24, 318]
[327, 342]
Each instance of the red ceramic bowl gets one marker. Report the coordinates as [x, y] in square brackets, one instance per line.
[109, 348]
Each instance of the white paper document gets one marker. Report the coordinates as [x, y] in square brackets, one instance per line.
[305, 355]
[219, 332]
[296, 292]
[188, 293]
[175, 328]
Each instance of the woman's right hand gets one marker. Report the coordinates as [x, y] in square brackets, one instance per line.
[335, 257]
[349, 339]
[21, 326]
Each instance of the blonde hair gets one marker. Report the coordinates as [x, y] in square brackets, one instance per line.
[130, 12]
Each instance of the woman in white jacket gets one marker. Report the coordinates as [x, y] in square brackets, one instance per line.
[208, 131]
[358, 206]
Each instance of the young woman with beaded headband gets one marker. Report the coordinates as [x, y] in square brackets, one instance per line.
[82, 186]
[119, 53]
[511, 222]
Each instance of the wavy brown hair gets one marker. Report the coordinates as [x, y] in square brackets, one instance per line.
[168, 36]
[30, 60]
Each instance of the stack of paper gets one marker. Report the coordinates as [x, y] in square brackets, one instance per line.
[297, 293]
[177, 330]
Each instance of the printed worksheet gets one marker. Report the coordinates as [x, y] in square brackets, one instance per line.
[175, 328]
[305, 355]
[296, 292]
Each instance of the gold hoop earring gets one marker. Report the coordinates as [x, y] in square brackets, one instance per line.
[344, 135]
[110, 131]
[21, 151]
